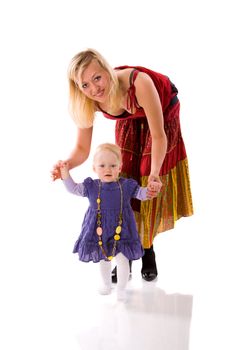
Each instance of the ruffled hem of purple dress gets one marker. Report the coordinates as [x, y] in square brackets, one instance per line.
[89, 252]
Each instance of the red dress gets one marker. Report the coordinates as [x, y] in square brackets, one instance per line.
[133, 136]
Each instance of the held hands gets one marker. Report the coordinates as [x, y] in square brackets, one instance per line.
[55, 172]
[60, 170]
[154, 186]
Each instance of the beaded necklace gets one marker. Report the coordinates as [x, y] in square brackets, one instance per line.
[99, 229]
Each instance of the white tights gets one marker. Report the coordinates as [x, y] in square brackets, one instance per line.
[122, 275]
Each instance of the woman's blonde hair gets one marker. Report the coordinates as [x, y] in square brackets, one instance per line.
[82, 108]
[108, 147]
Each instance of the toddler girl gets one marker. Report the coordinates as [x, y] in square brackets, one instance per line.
[109, 228]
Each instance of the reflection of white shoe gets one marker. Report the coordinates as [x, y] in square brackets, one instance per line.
[121, 295]
[104, 290]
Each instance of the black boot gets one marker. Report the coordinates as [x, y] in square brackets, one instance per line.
[149, 269]
[114, 272]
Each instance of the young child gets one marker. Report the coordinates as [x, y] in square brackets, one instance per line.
[109, 228]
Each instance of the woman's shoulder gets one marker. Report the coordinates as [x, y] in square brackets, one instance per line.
[130, 75]
[144, 72]
[123, 76]
[125, 72]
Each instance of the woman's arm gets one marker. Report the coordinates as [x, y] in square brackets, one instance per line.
[79, 154]
[148, 98]
[82, 148]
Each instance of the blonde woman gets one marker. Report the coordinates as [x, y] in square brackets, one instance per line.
[146, 107]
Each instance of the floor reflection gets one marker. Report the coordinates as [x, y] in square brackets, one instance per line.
[150, 319]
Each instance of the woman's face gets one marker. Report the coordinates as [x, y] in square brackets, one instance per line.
[94, 82]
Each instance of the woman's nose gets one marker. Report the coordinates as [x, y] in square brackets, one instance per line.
[94, 89]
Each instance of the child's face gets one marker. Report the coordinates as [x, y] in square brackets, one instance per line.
[107, 166]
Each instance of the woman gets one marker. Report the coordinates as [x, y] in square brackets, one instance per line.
[145, 105]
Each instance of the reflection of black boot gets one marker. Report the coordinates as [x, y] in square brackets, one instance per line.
[114, 272]
[149, 269]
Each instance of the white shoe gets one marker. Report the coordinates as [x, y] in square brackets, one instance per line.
[104, 290]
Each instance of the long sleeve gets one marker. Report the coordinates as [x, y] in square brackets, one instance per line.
[73, 187]
[142, 194]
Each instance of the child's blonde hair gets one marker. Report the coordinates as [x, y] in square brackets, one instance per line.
[108, 147]
[82, 108]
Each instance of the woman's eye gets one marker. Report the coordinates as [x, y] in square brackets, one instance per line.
[98, 77]
[84, 86]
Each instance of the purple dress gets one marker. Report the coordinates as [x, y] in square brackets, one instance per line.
[87, 244]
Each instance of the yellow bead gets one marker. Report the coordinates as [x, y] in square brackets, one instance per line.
[117, 237]
[110, 257]
[100, 243]
[98, 200]
[118, 229]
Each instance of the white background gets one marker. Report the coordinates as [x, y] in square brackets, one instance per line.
[195, 44]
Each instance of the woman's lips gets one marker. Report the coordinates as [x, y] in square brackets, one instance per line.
[99, 94]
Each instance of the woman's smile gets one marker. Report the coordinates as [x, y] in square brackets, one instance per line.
[99, 93]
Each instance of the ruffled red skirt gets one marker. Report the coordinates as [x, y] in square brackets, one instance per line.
[175, 200]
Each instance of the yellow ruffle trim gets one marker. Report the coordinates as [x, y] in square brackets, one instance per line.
[174, 201]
